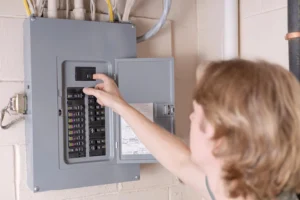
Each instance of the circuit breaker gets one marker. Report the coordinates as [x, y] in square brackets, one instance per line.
[72, 141]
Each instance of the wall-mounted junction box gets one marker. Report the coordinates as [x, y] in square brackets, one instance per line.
[71, 140]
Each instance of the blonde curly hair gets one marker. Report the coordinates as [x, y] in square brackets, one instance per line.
[255, 110]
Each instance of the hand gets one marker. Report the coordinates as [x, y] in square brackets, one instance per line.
[107, 93]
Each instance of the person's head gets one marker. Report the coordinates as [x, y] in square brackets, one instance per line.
[247, 115]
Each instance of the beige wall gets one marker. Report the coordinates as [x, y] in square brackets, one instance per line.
[263, 28]
[194, 32]
[178, 39]
[263, 25]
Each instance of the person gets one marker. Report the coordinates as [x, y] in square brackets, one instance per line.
[244, 131]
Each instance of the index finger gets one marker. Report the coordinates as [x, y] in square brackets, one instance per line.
[93, 92]
[102, 77]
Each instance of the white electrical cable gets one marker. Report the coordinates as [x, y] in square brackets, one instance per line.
[67, 8]
[160, 23]
[79, 11]
[116, 3]
[128, 7]
[31, 6]
[34, 6]
[116, 10]
[79, 3]
[52, 8]
[40, 5]
[93, 10]
[118, 15]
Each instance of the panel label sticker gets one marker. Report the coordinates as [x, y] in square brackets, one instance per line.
[131, 145]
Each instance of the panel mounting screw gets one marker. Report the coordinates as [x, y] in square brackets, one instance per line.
[36, 189]
[137, 177]
[133, 26]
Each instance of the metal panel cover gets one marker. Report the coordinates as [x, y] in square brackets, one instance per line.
[50, 44]
[146, 81]
[47, 54]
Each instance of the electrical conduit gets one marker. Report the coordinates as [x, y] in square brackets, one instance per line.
[159, 25]
[79, 11]
[52, 8]
[294, 36]
[231, 29]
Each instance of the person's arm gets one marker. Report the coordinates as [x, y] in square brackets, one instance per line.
[169, 150]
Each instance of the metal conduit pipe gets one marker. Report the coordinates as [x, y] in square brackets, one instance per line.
[154, 30]
[293, 38]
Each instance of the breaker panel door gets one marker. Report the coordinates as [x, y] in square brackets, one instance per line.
[148, 85]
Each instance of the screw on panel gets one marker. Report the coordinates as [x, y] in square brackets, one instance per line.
[137, 177]
[133, 26]
[36, 189]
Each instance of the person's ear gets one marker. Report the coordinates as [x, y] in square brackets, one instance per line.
[218, 143]
[205, 125]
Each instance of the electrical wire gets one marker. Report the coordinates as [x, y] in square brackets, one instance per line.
[40, 7]
[110, 11]
[10, 124]
[28, 12]
[159, 25]
[32, 6]
[127, 10]
[118, 15]
[116, 10]
[93, 10]
[116, 3]
[67, 9]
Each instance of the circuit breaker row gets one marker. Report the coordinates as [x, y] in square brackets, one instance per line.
[96, 128]
[76, 117]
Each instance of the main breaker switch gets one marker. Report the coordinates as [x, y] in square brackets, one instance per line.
[84, 73]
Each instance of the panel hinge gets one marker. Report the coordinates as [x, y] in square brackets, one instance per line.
[115, 77]
[17, 105]
[117, 145]
[169, 110]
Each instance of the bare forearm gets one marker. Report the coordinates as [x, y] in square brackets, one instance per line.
[170, 151]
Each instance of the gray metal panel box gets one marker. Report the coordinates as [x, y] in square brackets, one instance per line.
[60, 56]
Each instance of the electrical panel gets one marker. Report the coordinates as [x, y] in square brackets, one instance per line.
[72, 141]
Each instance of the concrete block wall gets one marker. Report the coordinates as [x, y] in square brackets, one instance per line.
[263, 28]
[178, 39]
[263, 25]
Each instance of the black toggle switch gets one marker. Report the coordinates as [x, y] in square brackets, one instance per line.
[85, 73]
